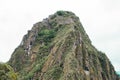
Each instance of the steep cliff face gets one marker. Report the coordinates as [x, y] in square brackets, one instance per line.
[58, 48]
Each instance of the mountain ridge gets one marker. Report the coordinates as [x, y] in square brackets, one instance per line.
[58, 48]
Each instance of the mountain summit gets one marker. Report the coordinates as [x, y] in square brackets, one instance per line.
[58, 48]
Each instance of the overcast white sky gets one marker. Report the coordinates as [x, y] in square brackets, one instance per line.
[100, 18]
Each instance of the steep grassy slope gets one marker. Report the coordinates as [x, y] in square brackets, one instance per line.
[58, 48]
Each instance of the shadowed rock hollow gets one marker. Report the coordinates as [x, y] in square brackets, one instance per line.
[58, 48]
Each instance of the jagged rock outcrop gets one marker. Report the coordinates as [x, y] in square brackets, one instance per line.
[58, 48]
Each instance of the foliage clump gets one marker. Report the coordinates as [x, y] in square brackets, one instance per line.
[60, 13]
[54, 73]
[64, 13]
[7, 73]
[46, 35]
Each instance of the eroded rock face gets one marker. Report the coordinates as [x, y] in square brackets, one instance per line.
[58, 48]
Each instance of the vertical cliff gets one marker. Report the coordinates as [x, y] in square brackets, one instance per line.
[58, 48]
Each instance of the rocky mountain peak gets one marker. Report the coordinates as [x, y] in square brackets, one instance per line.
[58, 48]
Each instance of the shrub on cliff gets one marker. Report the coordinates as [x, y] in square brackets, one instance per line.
[6, 72]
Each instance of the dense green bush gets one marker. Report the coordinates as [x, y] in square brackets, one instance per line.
[6, 72]
[65, 13]
[54, 73]
[46, 35]
[61, 13]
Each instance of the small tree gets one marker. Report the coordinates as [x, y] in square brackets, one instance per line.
[6, 72]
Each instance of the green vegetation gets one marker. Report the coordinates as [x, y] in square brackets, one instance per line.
[61, 13]
[7, 73]
[54, 73]
[64, 13]
[36, 67]
[19, 56]
[60, 50]
[103, 62]
[46, 35]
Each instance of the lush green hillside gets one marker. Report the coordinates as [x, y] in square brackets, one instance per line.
[58, 48]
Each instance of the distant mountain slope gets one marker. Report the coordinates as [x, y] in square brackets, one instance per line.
[58, 48]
